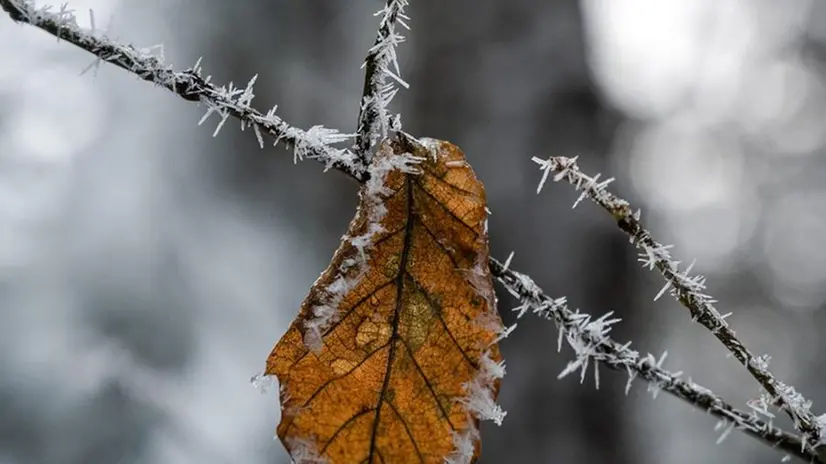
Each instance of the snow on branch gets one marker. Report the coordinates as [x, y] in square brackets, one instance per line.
[685, 288]
[590, 339]
[225, 101]
[374, 121]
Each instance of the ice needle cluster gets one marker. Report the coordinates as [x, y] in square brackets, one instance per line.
[382, 75]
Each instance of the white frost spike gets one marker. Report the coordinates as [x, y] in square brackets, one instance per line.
[363, 242]
[490, 369]
[94, 64]
[246, 96]
[654, 389]
[312, 335]
[521, 309]
[507, 264]
[479, 401]
[477, 277]
[596, 375]
[317, 135]
[821, 421]
[761, 406]
[224, 117]
[592, 188]
[545, 166]
[726, 433]
[761, 362]
[600, 328]
[662, 359]
[662, 290]
[465, 443]
[263, 383]
[258, 135]
[305, 452]
[92, 28]
[206, 115]
[631, 376]
[559, 339]
[567, 170]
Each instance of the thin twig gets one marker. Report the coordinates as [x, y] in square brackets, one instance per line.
[374, 122]
[686, 289]
[225, 101]
[591, 342]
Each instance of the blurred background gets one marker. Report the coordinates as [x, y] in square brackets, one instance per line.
[147, 268]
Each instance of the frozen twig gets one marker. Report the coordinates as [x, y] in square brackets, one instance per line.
[189, 84]
[688, 290]
[591, 342]
[374, 121]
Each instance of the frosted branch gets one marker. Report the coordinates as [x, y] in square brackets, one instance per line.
[685, 288]
[225, 101]
[591, 342]
[374, 120]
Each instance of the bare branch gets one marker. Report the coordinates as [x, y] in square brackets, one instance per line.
[591, 342]
[374, 121]
[225, 101]
[686, 289]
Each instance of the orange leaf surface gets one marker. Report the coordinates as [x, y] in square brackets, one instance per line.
[393, 357]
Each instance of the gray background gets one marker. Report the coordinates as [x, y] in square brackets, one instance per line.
[147, 268]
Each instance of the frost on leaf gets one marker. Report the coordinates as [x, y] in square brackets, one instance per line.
[393, 356]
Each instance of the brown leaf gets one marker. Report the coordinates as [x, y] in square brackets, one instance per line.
[393, 357]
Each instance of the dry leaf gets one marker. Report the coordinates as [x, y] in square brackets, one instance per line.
[393, 357]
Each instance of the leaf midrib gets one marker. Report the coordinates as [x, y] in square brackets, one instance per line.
[394, 336]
